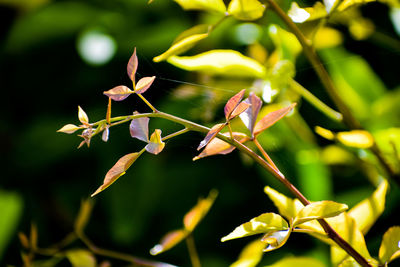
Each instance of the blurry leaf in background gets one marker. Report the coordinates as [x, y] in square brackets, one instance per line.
[11, 207]
[395, 17]
[285, 42]
[169, 241]
[300, 15]
[24, 4]
[250, 255]
[297, 261]
[388, 141]
[327, 37]
[247, 33]
[81, 258]
[390, 246]
[208, 5]
[246, 9]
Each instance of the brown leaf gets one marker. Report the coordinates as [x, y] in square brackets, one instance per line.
[144, 84]
[139, 128]
[169, 241]
[243, 106]
[117, 170]
[232, 103]
[271, 118]
[197, 213]
[118, 93]
[249, 117]
[132, 66]
[156, 145]
[211, 134]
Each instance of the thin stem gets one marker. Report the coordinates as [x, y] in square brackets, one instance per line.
[264, 153]
[176, 134]
[147, 103]
[194, 257]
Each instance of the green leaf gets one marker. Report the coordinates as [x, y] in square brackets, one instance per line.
[251, 254]
[144, 84]
[139, 128]
[249, 117]
[367, 211]
[81, 258]
[356, 138]
[118, 93]
[297, 261]
[207, 5]
[390, 247]
[267, 222]
[246, 9]
[221, 62]
[170, 240]
[132, 66]
[276, 239]
[69, 129]
[118, 170]
[271, 118]
[300, 15]
[156, 145]
[285, 42]
[319, 210]
[288, 207]
[197, 213]
[185, 41]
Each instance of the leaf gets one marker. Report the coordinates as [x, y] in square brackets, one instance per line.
[83, 216]
[197, 213]
[265, 223]
[132, 66]
[82, 116]
[211, 134]
[319, 210]
[251, 255]
[276, 239]
[367, 211]
[105, 134]
[285, 43]
[297, 261]
[185, 41]
[271, 118]
[221, 62]
[300, 15]
[81, 258]
[288, 207]
[390, 246]
[246, 9]
[325, 133]
[356, 138]
[69, 129]
[207, 5]
[232, 103]
[242, 107]
[327, 37]
[217, 146]
[139, 128]
[156, 145]
[349, 3]
[169, 241]
[144, 84]
[249, 117]
[118, 170]
[118, 93]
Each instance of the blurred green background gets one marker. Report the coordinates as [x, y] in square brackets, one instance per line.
[49, 66]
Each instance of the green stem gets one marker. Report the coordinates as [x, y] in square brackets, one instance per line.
[175, 134]
[147, 103]
[194, 256]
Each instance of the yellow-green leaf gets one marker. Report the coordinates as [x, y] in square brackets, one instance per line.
[297, 261]
[367, 211]
[300, 15]
[208, 5]
[221, 62]
[267, 222]
[81, 258]
[285, 42]
[246, 9]
[251, 254]
[325, 133]
[348, 3]
[288, 207]
[156, 145]
[69, 129]
[319, 210]
[356, 138]
[327, 37]
[169, 241]
[83, 118]
[390, 247]
[276, 239]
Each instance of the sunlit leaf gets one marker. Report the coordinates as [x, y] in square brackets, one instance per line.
[288, 207]
[251, 254]
[156, 145]
[249, 117]
[185, 41]
[300, 15]
[139, 128]
[69, 129]
[118, 170]
[118, 93]
[83, 216]
[327, 37]
[232, 103]
[297, 261]
[208, 5]
[349, 3]
[81, 258]
[271, 118]
[319, 210]
[285, 42]
[325, 133]
[197, 213]
[211, 134]
[221, 62]
[105, 135]
[367, 211]
[356, 138]
[144, 84]
[246, 9]
[217, 146]
[267, 222]
[83, 118]
[275, 240]
[242, 107]
[132, 66]
[169, 241]
[390, 246]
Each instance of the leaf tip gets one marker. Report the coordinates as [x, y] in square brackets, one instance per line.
[157, 249]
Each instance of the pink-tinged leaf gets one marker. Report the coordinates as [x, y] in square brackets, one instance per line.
[106, 133]
[118, 93]
[211, 134]
[156, 145]
[217, 146]
[249, 117]
[233, 103]
[83, 118]
[139, 128]
[242, 107]
[69, 129]
[197, 213]
[169, 241]
[272, 117]
[144, 84]
[132, 66]
[117, 170]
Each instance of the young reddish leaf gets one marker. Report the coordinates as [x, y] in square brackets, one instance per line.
[118, 93]
[139, 128]
[211, 134]
[249, 117]
[156, 145]
[132, 66]
[118, 170]
[169, 241]
[197, 213]
[242, 107]
[83, 118]
[270, 119]
[232, 103]
[217, 146]
[144, 84]
[69, 129]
